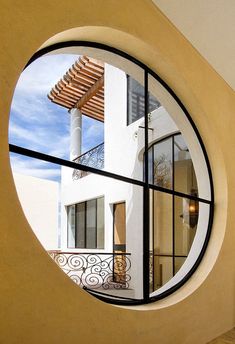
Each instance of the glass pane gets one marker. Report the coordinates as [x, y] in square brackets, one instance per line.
[162, 223]
[135, 100]
[150, 164]
[71, 226]
[160, 126]
[186, 218]
[163, 164]
[161, 239]
[100, 222]
[80, 225]
[162, 271]
[91, 224]
[153, 103]
[185, 179]
[179, 261]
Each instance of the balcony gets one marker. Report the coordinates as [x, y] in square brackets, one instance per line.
[102, 271]
[92, 158]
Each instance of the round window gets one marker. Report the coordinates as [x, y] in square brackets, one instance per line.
[111, 172]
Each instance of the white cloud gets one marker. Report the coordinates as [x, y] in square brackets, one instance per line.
[35, 108]
[35, 122]
[93, 133]
[30, 100]
[35, 168]
[94, 130]
[42, 139]
[62, 147]
[19, 132]
[44, 73]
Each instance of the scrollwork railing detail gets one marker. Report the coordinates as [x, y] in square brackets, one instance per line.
[93, 158]
[93, 271]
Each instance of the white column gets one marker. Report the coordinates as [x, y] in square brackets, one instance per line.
[75, 133]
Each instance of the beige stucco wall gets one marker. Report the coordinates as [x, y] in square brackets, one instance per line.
[39, 304]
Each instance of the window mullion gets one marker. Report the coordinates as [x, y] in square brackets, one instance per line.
[85, 226]
[173, 208]
[146, 197]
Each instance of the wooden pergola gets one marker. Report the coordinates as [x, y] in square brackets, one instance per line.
[82, 87]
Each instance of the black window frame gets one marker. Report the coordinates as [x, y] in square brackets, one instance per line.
[86, 246]
[151, 151]
[145, 183]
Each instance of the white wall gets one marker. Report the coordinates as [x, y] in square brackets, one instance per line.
[39, 199]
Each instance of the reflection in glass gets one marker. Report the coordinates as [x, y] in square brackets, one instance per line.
[171, 238]
[185, 179]
[91, 224]
[162, 169]
[153, 103]
[80, 221]
[185, 225]
[86, 224]
[136, 101]
[150, 163]
[100, 222]
[161, 239]
[71, 226]
[162, 223]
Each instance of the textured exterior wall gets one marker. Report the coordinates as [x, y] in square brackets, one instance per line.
[39, 304]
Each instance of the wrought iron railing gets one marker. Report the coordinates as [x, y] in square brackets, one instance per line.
[92, 158]
[95, 270]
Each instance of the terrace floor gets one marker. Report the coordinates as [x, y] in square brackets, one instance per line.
[226, 338]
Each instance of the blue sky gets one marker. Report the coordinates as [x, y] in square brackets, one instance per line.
[36, 123]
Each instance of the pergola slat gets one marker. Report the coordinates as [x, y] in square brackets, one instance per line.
[91, 108]
[82, 86]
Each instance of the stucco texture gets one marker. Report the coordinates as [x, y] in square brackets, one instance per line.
[39, 304]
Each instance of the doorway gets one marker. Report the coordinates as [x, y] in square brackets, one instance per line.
[119, 242]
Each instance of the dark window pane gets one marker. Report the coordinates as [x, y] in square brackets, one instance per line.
[80, 225]
[163, 164]
[91, 224]
[153, 103]
[100, 222]
[135, 100]
[71, 226]
[150, 163]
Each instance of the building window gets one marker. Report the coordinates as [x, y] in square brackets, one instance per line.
[86, 224]
[174, 218]
[135, 100]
